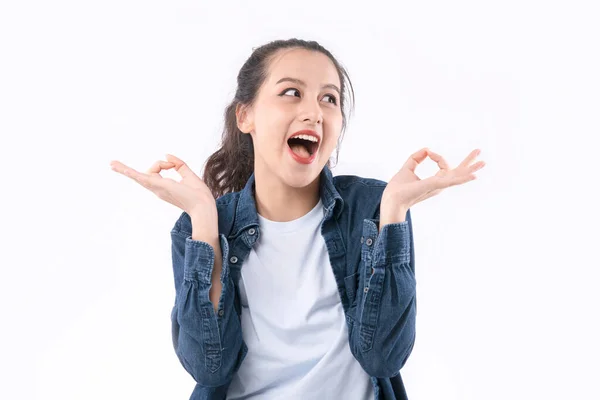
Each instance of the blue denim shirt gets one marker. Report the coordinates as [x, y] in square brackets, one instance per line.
[374, 272]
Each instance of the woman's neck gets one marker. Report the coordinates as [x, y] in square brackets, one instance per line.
[279, 202]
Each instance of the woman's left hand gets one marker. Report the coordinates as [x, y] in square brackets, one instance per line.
[406, 189]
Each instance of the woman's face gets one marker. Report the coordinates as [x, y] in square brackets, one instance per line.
[301, 92]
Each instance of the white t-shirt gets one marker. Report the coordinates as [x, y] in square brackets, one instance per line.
[293, 321]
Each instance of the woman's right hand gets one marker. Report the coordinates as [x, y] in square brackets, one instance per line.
[190, 194]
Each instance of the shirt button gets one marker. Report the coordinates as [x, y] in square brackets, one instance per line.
[366, 289]
[251, 231]
[362, 239]
[372, 271]
[369, 241]
[233, 259]
[220, 313]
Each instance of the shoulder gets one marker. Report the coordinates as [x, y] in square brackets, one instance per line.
[361, 196]
[354, 188]
[225, 207]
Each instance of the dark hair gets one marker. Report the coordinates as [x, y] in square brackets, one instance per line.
[228, 169]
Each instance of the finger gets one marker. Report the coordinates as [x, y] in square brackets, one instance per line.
[442, 182]
[181, 167]
[160, 165]
[459, 180]
[122, 168]
[415, 159]
[441, 162]
[472, 156]
[143, 179]
[476, 167]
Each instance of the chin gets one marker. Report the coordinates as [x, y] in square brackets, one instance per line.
[301, 177]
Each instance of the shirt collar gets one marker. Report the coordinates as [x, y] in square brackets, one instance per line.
[246, 214]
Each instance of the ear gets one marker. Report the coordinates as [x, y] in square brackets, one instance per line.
[244, 118]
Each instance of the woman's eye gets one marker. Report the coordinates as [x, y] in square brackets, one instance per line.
[288, 90]
[333, 97]
[296, 90]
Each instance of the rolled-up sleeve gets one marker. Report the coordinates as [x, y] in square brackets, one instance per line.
[386, 296]
[208, 344]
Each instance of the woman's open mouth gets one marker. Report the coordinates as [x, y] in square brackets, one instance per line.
[303, 150]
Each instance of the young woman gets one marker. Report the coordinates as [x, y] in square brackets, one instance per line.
[325, 304]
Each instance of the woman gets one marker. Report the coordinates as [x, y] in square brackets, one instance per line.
[325, 304]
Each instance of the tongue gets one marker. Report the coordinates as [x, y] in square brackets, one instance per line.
[300, 150]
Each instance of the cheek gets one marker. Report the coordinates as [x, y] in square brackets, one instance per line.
[334, 127]
[330, 143]
[333, 133]
[270, 131]
[274, 125]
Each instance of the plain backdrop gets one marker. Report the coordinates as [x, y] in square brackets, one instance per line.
[507, 265]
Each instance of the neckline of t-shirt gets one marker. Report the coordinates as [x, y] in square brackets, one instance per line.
[291, 226]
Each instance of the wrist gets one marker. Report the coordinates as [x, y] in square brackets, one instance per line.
[206, 226]
[395, 216]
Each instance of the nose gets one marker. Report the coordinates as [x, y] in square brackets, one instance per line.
[311, 112]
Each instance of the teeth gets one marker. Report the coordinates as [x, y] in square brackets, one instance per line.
[306, 137]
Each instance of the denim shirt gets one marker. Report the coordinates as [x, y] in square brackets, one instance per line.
[374, 271]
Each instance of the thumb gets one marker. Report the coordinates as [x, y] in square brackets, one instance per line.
[181, 167]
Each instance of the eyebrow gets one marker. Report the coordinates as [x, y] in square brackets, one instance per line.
[300, 82]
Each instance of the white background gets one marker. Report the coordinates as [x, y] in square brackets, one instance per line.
[507, 265]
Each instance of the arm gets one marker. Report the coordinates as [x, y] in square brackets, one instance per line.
[208, 343]
[384, 335]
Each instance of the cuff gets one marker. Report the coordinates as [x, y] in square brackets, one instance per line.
[390, 245]
[200, 259]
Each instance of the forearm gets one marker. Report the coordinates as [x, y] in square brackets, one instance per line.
[386, 314]
[211, 237]
[206, 332]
